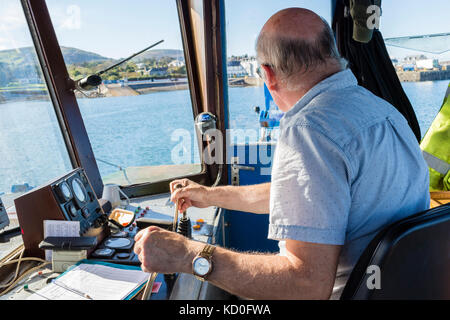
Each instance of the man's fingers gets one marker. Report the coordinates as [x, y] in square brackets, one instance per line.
[186, 205]
[142, 239]
[139, 235]
[180, 194]
[173, 184]
[182, 182]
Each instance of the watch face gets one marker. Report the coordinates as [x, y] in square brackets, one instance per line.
[201, 266]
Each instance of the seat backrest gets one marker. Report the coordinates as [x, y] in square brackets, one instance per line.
[411, 257]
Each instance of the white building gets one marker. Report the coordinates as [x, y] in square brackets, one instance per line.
[413, 59]
[427, 64]
[251, 66]
[140, 67]
[235, 69]
[176, 64]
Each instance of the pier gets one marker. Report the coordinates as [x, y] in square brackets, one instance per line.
[415, 76]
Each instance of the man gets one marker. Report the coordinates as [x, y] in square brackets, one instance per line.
[346, 165]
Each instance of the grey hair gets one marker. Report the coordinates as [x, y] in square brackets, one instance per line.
[290, 57]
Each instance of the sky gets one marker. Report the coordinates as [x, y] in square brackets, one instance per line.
[113, 29]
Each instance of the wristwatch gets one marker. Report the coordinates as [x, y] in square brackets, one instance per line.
[202, 264]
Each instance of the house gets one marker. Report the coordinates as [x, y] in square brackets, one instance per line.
[251, 66]
[235, 69]
[427, 64]
[413, 59]
[176, 64]
[140, 67]
[158, 72]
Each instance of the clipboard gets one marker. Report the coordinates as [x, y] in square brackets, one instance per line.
[70, 285]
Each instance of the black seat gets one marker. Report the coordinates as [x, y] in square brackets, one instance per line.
[413, 256]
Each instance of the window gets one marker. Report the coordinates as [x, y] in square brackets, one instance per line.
[246, 93]
[140, 119]
[31, 144]
[426, 97]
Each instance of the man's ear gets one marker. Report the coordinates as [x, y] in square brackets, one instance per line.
[270, 79]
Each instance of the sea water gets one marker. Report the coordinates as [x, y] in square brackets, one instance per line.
[145, 130]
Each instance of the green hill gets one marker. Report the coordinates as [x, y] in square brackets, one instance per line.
[27, 55]
[21, 65]
[160, 53]
[77, 56]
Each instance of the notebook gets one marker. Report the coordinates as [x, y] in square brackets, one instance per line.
[94, 280]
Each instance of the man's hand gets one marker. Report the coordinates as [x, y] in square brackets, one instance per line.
[164, 251]
[190, 195]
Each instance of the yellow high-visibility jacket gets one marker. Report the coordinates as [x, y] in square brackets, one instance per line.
[436, 148]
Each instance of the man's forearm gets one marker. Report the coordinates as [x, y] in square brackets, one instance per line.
[261, 276]
[253, 198]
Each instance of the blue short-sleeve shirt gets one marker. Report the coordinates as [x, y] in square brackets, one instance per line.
[346, 165]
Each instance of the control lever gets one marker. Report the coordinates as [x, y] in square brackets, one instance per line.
[184, 227]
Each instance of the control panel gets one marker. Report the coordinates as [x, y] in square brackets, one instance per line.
[118, 246]
[69, 197]
[77, 200]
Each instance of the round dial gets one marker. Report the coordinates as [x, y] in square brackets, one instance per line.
[78, 190]
[72, 210]
[117, 243]
[201, 266]
[104, 252]
[65, 190]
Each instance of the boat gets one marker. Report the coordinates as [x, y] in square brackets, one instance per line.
[79, 173]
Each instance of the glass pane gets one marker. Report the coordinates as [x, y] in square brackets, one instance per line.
[413, 65]
[32, 147]
[140, 120]
[247, 97]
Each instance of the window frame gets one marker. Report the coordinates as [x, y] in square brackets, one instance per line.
[61, 88]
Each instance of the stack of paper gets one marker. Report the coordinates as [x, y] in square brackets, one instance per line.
[89, 280]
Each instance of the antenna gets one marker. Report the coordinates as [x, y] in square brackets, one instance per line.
[94, 80]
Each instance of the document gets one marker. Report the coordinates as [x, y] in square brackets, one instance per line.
[91, 280]
[60, 228]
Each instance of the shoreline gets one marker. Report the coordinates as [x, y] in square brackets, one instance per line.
[423, 75]
[109, 90]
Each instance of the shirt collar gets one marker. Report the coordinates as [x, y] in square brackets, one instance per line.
[339, 80]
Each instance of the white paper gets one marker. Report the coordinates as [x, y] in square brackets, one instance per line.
[55, 292]
[97, 281]
[60, 228]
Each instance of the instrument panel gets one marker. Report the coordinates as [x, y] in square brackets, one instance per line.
[70, 197]
[77, 200]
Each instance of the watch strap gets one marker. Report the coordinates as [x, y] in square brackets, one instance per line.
[208, 251]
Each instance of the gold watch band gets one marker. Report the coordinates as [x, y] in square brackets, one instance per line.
[208, 251]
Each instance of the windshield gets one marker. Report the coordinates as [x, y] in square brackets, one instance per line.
[417, 39]
[140, 118]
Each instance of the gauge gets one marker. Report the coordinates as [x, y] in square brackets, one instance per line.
[117, 243]
[65, 190]
[106, 252]
[78, 190]
[71, 210]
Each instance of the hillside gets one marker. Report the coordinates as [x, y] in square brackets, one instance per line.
[20, 65]
[77, 56]
[27, 55]
[160, 53]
